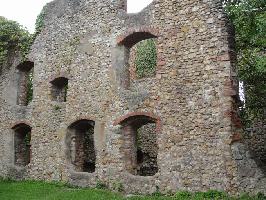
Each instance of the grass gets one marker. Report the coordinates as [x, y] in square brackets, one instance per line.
[36, 190]
[31, 190]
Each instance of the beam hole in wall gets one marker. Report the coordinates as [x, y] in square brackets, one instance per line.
[137, 57]
[80, 146]
[140, 146]
[25, 86]
[22, 144]
[59, 89]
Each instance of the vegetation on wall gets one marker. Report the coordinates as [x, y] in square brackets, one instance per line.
[13, 37]
[146, 58]
[39, 24]
[249, 20]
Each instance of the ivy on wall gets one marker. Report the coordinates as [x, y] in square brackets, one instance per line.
[146, 58]
[39, 24]
[13, 37]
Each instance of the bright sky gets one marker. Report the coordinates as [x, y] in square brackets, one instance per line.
[26, 11]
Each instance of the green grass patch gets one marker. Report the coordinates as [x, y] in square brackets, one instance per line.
[38, 190]
[31, 190]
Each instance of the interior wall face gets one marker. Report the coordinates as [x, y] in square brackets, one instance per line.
[191, 98]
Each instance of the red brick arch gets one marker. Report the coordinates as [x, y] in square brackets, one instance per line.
[59, 75]
[149, 115]
[20, 123]
[134, 35]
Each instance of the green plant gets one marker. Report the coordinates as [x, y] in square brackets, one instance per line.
[146, 58]
[249, 20]
[117, 186]
[183, 195]
[100, 185]
[56, 107]
[74, 41]
[157, 193]
[39, 24]
[27, 139]
[211, 194]
[13, 37]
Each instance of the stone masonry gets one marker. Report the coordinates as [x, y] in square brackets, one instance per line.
[89, 122]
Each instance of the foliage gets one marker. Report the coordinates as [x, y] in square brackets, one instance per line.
[249, 20]
[27, 139]
[157, 193]
[39, 24]
[183, 195]
[100, 185]
[57, 108]
[146, 58]
[13, 37]
[117, 186]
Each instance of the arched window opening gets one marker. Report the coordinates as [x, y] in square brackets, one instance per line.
[136, 57]
[59, 89]
[140, 145]
[22, 144]
[80, 144]
[25, 86]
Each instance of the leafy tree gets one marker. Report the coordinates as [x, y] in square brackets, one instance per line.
[249, 20]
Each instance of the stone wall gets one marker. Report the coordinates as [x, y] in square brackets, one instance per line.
[255, 138]
[147, 150]
[191, 99]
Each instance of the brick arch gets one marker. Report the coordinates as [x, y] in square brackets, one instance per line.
[19, 124]
[79, 118]
[72, 125]
[135, 35]
[149, 116]
[59, 75]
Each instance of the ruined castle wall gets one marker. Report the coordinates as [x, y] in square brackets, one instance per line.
[190, 97]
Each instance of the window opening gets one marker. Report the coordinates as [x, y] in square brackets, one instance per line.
[136, 58]
[140, 145]
[25, 89]
[59, 89]
[81, 146]
[22, 143]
